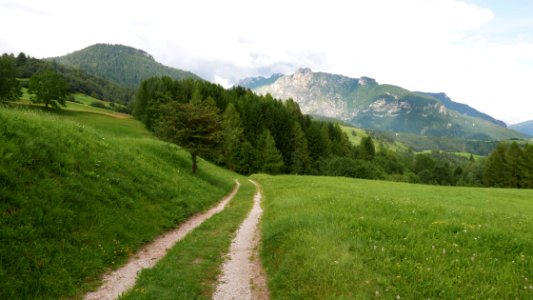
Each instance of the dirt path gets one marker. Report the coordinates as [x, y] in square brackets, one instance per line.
[242, 276]
[122, 279]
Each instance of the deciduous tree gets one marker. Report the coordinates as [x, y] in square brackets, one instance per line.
[49, 88]
[194, 125]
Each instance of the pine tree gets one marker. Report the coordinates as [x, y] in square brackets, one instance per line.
[319, 142]
[232, 135]
[497, 171]
[246, 159]
[300, 158]
[514, 158]
[270, 157]
[527, 162]
[367, 150]
[340, 144]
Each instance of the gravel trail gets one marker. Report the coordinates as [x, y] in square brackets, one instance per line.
[120, 280]
[242, 276]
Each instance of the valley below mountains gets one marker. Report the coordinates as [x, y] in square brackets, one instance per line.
[363, 102]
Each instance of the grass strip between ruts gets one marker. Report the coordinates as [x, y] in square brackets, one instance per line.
[190, 268]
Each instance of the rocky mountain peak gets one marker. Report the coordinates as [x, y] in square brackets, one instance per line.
[304, 71]
[365, 103]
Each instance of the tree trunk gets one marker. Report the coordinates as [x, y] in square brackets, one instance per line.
[194, 162]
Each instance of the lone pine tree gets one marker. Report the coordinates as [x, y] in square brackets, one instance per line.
[194, 125]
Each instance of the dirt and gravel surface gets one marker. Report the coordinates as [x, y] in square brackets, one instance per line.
[242, 275]
[120, 280]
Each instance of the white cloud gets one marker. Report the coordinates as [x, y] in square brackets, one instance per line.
[430, 45]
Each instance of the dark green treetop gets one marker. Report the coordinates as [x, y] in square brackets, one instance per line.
[194, 125]
[9, 86]
[49, 88]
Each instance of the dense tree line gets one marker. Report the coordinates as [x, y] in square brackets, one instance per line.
[258, 133]
[262, 134]
[510, 165]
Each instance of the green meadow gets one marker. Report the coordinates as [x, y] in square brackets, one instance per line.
[80, 192]
[82, 188]
[340, 238]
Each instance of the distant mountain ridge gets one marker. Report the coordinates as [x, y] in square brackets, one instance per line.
[255, 82]
[463, 108]
[364, 102]
[121, 64]
[524, 127]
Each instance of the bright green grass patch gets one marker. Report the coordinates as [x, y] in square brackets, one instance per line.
[339, 238]
[75, 201]
[82, 103]
[462, 154]
[359, 134]
[87, 100]
[190, 269]
[108, 124]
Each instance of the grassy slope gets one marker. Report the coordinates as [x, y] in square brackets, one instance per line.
[338, 238]
[80, 192]
[191, 267]
[360, 133]
[83, 103]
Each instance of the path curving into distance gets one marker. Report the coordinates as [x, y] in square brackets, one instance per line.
[120, 280]
[242, 275]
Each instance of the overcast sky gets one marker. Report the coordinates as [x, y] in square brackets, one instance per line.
[479, 52]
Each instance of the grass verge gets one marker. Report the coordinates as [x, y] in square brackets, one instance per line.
[190, 268]
[75, 201]
[339, 238]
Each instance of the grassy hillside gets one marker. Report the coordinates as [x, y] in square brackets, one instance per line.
[78, 80]
[80, 102]
[339, 238]
[404, 141]
[120, 64]
[356, 134]
[80, 192]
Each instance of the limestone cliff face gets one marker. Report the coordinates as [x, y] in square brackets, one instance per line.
[342, 97]
[365, 103]
[318, 93]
